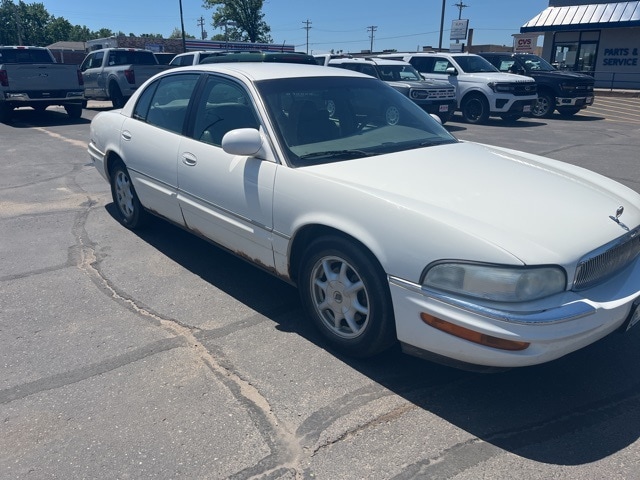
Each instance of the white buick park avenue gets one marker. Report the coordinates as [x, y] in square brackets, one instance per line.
[391, 228]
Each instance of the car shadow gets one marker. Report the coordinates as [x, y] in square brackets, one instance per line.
[27, 118]
[557, 413]
[523, 122]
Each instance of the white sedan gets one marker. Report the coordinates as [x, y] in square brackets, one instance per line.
[391, 228]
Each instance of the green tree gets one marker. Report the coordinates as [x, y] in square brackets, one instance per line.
[177, 33]
[244, 19]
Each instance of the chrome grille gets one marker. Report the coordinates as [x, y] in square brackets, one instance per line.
[608, 261]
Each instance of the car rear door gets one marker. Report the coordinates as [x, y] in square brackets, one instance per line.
[151, 140]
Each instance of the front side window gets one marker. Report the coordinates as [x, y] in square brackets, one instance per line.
[223, 106]
[164, 103]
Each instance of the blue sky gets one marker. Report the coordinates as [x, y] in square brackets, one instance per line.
[340, 25]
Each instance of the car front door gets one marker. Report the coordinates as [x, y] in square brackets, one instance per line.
[224, 197]
[151, 140]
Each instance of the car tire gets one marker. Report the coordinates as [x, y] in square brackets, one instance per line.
[5, 112]
[544, 106]
[475, 109]
[129, 210]
[74, 111]
[344, 290]
[568, 112]
[117, 99]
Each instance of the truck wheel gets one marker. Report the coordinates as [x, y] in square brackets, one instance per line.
[5, 113]
[117, 99]
[475, 109]
[544, 106]
[74, 111]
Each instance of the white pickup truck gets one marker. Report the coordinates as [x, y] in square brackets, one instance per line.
[115, 73]
[30, 77]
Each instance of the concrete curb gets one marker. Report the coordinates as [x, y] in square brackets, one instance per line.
[607, 92]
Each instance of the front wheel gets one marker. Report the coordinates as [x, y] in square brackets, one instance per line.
[130, 211]
[544, 106]
[345, 292]
[475, 109]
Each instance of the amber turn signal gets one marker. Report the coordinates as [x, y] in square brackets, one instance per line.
[471, 335]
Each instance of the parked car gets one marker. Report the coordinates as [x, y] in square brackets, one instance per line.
[113, 74]
[390, 227]
[193, 57]
[482, 90]
[258, 56]
[438, 98]
[31, 77]
[564, 91]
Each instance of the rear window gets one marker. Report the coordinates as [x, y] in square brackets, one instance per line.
[24, 55]
[131, 57]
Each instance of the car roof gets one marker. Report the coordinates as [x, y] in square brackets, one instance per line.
[270, 57]
[257, 71]
[376, 61]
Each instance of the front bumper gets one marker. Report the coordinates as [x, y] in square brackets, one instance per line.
[553, 327]
[572, 102]
[520, 106]
[439, 106]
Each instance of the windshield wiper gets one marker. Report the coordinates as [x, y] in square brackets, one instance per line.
[346, 154]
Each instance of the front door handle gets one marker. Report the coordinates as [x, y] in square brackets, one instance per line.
[189, 159]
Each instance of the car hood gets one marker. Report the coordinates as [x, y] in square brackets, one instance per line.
[483, 77]
[539, 210]
[567, 76]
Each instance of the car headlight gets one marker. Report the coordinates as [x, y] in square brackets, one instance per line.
[494, 282]
[500, 87]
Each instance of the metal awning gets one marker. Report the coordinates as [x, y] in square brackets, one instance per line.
[582, 17]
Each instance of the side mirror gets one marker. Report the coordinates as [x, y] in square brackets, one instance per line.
[451, 71]
[242, 141]
[436, 118]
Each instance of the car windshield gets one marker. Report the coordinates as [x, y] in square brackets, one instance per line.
[474, 64]
[534, 63]
[328, 119]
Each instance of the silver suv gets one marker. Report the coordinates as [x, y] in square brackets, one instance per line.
[435, 97]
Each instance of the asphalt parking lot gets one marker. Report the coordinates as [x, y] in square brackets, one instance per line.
[157, 355]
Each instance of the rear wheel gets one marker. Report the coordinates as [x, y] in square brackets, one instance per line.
[130, 211]
[345, 292]
[5, 112]
[475, 109]
[117, 99]
[74, 111]
[544, 106]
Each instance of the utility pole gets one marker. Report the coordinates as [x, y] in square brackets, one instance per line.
[372, 29]
[307, 27]
[203, 33]
[460, 6]
[184, 41]
[441, 26]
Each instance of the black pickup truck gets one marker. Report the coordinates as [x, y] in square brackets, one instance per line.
[566, 92]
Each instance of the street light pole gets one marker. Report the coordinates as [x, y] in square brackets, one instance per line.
[441, 26]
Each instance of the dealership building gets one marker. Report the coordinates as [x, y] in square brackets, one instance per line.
[598, 38]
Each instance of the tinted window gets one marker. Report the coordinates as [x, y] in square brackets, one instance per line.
[423, 64]
[474, 64]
